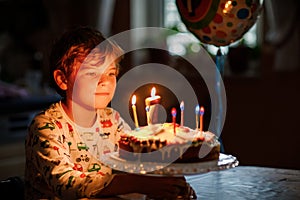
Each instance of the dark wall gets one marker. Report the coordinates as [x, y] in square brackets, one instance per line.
[28, 28]
[262, 122]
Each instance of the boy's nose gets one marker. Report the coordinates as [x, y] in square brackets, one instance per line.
[103, 79]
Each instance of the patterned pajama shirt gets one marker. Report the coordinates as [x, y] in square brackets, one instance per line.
[62, 158]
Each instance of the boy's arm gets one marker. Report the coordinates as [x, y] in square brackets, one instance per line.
[155, 187]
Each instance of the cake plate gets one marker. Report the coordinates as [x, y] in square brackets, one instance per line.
[113, 161]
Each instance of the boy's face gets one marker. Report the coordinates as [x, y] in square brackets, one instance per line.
[93, 86]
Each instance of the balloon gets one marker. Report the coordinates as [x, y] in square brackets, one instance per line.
[218, 22]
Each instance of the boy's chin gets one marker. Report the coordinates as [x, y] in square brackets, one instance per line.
[100, 106]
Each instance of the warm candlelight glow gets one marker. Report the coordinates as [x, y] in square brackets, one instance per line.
[153, 99]
[201, 110]
[133, 101]
[174, 112]
[153, 91]
[151, 105]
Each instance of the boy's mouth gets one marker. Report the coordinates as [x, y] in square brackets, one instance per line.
[102, 93]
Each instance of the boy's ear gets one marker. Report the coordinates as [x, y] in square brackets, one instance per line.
[60, 79]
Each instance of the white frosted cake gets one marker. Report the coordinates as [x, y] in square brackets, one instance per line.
[160, 143]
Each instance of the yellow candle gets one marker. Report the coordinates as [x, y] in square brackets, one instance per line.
[150, 104]
[154, 99]
[133, 101]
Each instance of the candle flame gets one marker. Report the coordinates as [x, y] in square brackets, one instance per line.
[197, 109]
[133, 100]
[201, 110]
[182, 105]
[153, 91]
[174, 112]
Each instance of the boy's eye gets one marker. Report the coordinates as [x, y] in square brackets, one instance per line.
[91, 74]
[112, 73]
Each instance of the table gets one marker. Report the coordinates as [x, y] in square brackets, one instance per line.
[245, 183]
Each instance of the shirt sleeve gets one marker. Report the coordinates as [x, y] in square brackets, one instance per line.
[49, 154]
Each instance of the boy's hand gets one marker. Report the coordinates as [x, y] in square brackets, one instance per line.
[165, 187]
[173, 188]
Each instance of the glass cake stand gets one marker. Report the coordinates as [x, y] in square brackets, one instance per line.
[113, 161]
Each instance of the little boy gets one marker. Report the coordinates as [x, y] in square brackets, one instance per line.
[65, 141]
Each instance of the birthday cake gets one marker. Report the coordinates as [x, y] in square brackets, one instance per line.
[164, 143]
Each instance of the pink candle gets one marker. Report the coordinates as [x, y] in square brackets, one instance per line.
[174, 112]
[201, 118]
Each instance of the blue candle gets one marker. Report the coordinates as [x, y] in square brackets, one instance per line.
[182, 109]
[197, 109]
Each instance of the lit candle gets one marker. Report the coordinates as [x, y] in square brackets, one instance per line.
[154, 99]
[174, 112]
[197, 116]
[151, 105]
[133, 101]
[201, 118]
[182, 109]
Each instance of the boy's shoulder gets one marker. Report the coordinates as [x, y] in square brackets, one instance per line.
[52, 112]
[47, 118]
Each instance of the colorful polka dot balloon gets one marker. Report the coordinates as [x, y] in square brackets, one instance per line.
[218, 22]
